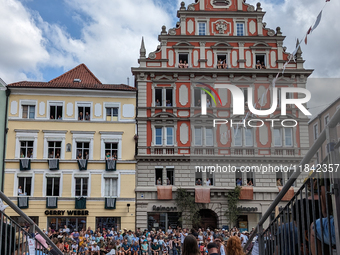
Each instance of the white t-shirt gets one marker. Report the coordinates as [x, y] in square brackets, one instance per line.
[207, 182]
[95, 248]
[183, 236]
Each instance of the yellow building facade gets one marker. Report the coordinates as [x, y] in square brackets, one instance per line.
[70, 152]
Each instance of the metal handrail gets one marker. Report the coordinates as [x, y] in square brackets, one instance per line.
[31, 222]
[310, 154]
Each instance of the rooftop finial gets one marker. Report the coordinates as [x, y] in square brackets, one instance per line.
[182, 6]
[258, 7]
[164, 30]
[142, 50]
[278, 31]
[299, 51]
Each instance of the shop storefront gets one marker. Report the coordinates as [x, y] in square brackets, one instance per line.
[248, 218]
[75, 220]
[108, 223]
[162, 216]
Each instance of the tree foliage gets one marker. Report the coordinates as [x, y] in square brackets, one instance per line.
[232, 211]
[186, 204]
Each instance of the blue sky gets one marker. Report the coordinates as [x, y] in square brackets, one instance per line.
[46, 38]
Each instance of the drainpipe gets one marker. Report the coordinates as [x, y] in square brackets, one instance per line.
[320, 131]
[8, 92]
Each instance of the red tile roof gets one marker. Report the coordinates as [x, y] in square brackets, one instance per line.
[66, 81]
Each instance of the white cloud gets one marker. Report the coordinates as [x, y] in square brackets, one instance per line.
[21, 43]
[112, 31]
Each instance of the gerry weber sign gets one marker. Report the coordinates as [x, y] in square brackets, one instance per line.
[69, 212]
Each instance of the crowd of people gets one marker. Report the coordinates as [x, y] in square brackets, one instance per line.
[154, 242]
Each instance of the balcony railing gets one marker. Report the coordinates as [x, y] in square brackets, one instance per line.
[284, 152]
[163, 150]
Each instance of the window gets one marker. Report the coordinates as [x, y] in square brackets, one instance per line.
[277, 137]
[161, 94]
[248, 134]
[183, 59]
[168, 97]
[81, 186]
[83, 149]
[238, 136]
[222, 61]
[25, 186]
[209, 137]
[159, 176]
[198, 177]
[326, 120]
[245, 94]
[240, 29]
[261, 58]
[278, 97]
[111, 151]
[26, 149]
[158, 97]
[250, 179]
[289, 175]
[169, 135]
[56, 112]
[238, 176]
[170, 176]
[108, 223]
[210, 176]
[28, 111]
[111, 113]
[159, 136]
[197, 97]
[54, 149]
[52, 186]
[202, 28]
[84, 112]
[221, 2]
[111, 187]
[198, 136]
[315, 131]
[288, 136]
[279, 178]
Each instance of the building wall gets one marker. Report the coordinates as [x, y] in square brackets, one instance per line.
[69, 130]
[320, 123]
[2, 124]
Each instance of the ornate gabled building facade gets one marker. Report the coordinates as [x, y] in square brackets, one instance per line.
[215, 43]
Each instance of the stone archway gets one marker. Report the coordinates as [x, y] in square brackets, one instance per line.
[209, 219]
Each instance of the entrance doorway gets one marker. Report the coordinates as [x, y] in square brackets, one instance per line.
[208, 219]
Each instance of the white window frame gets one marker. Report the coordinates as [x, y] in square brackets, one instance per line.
[292, 137]
[326, 118]
[111, 178]
[242, 23]
[45, 185]
[183, 51]
[112, 105]
[54, 137]
[55, 103]
[281, 137]
[163, 103]
[315, 131]
[111, 137]
[164, 135]
[86, 137]
[73, 189]
[26, 135]
[110, 175]
[16, 182]
[195, 141]
[83, 104]
[30, 103]
[265, 58]
[199, 23]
